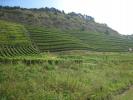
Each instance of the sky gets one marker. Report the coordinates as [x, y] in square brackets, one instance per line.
[117, 14]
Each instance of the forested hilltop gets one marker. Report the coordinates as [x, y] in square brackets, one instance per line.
[52, 17]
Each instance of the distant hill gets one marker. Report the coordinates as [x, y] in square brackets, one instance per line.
[52, 30]
[51, 17]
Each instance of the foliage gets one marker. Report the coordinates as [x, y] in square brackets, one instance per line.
[14, 40]
[93, 79]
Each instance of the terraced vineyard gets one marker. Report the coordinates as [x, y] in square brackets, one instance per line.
[14, 40]
[49, 39]
[62, 31]
[17, 39]
[103, 42]
[54, 40]
[13, 50]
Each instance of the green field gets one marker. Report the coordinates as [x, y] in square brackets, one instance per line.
[75, 75]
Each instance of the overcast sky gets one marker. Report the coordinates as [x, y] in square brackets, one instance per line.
[118, 14]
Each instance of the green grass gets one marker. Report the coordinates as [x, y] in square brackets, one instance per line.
[99, 76]
[26, 74]
[12, 33]
[103, 42]
[50, 39]
[57, 31]
[17, 39]
[54, 40]
[14, 40]
[128, 95]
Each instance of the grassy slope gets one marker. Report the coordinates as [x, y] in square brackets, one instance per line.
[104, 42]
[97, 37]
[93, 79]
[49, 39]
[14, 40]
[12, 33]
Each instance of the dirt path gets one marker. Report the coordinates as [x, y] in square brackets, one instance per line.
[127, 95]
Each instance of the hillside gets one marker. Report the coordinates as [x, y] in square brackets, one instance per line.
[46, 54]
[54, 40]
[14, 40]
[52, 30]
[51, 17]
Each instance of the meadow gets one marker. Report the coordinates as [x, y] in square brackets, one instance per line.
[74, 75]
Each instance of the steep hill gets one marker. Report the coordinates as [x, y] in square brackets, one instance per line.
[51, 17]
[54, 40]
[14, 40]
[104, 42]
[53, 30]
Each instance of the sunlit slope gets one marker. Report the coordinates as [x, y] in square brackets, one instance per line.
[55, 30]
[48, 39]
[104, 41]
[14, 40]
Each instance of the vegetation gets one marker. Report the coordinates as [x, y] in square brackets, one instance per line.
[49, 29]
[51, 17]
[51, 39]
[14, 40]
[104, 42]
[12, 33]
[127, 95]
[91, 79]
[17, 39]
[54, 40]
[46, 54]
